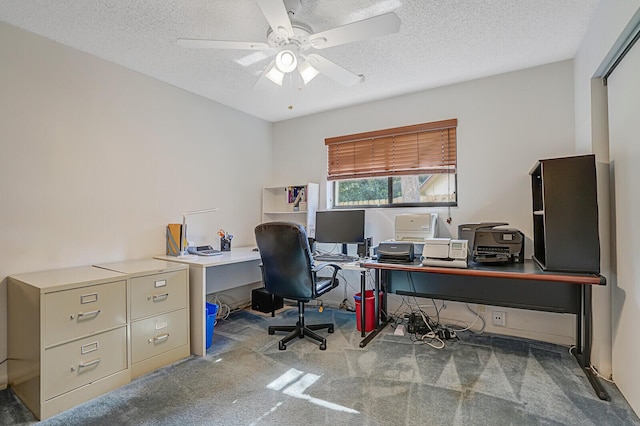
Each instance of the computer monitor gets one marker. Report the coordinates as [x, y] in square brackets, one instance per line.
[340, 226]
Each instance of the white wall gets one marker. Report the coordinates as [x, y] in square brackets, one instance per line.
[97, 159]
[606, 31]
[505, 124]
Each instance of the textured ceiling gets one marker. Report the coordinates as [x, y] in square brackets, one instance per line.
[440, 42]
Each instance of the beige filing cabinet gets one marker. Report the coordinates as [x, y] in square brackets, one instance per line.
[67, 336]
[158, 308]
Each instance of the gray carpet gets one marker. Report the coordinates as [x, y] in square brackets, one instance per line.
[246, 380]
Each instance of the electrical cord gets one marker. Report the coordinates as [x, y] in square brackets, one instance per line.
[468, 327]
[437, 310]
[399, 308]
[597, 373]
[591, 366]
[369, 285]
[454, 326]
[433, 337]
[224, 310]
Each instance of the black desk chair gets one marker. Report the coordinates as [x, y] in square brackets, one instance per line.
[288, 271]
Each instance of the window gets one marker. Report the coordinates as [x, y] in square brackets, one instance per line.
[404, 166]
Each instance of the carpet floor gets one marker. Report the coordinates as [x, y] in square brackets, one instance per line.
[245, 380]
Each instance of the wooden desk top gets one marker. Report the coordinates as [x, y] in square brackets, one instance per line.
[528, 270]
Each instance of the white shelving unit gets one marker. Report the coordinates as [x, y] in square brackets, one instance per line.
[292, 203]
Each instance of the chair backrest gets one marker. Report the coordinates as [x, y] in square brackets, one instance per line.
[286, 260]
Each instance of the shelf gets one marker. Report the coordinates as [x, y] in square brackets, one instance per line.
[278, 202]
[565, 214]
[292, 212]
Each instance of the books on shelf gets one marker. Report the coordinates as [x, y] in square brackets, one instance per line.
[295, 192]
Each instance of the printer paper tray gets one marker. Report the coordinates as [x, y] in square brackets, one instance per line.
[456, 263]
[394, 259]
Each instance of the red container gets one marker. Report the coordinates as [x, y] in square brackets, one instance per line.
[369, 315]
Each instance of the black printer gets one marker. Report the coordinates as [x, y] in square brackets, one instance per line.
[395, 252]
[489, 242]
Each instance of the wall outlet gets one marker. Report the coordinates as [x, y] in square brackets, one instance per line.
[499, 318]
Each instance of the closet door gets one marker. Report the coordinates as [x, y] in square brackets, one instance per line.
[624, 150]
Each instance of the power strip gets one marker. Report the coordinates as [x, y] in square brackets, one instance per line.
[446, 334]
[416, 325]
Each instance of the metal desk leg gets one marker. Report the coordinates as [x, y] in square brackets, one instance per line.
[379, 327]
[583, 341]
[363, 282]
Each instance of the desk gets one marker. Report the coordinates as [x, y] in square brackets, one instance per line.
[518, 285]
[211, 274]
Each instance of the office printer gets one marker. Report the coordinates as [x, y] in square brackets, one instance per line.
[490, 243]
[395, 252]
[445, 252]
[415, 228]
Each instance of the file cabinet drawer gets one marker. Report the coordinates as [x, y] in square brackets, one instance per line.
[153, 294]
[79, 312]
[83, 361]
[155, 335]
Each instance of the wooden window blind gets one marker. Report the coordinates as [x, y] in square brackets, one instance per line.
[426, 148]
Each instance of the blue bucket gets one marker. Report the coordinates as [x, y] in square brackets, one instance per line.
[211, 310]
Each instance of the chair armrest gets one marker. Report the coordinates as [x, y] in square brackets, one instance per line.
[318, 266]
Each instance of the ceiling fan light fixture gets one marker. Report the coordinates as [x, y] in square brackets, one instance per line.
[286, 61]
[307, 72]
[275, 75]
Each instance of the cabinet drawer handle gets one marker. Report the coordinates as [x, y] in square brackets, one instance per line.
[89, 364]
[157, 297]
[160, 338]
[86, 314]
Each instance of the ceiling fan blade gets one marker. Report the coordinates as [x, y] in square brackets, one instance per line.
[255, 57]
[222, 44]
[334, 71]
[277, 16]
[384, 24]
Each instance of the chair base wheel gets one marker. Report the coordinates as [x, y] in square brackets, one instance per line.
[301, 332]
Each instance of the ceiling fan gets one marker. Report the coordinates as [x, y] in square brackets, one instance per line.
[290, 40]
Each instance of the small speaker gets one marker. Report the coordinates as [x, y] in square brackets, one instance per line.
[263, 301]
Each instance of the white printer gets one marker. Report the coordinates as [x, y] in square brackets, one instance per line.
[416, 227]
[445, 252]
